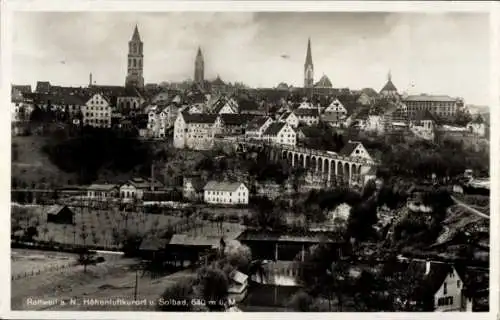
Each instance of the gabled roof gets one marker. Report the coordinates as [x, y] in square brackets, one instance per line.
[141, 183]
[221, 103]
[199, 117]
[349, 148]
[312, 112]
[429, 282]
[238, 277]
[55, 209]
[222, 186]
[274, 128]
[285, 115]
[257, 123]
[236, 119]
[389, 86]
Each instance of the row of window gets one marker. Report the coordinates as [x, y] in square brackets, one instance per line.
[225, 200]
[220, 193]
[92, 108]
[97, 114]
[134, 63]
[97, 121]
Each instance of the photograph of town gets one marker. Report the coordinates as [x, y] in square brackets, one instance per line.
[250, 161]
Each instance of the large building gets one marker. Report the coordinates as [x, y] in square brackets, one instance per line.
[135, 63]
[97, 112]
[199, 69]
[441, 106]
[194, 131]
[226, 193]
[308, 68]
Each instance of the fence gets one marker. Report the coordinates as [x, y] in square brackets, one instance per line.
[35, 272]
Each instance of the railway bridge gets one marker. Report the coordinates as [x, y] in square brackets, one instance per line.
[327, 164]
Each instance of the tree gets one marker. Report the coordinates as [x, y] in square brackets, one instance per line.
[30, 233]
[85, 258]
[301, 301]
[266, 215]
[213, 285]
[237, 255]
[181, 292]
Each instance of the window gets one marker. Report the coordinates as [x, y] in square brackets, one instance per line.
[445, 288]
[458, 284]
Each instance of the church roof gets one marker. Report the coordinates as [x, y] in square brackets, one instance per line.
[308, 55]
[136, 36]
[389, 86]
[324, 82]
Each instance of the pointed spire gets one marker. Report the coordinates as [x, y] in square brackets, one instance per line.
[389, 75]
[136, 36]
[199, 54]
[309, 55]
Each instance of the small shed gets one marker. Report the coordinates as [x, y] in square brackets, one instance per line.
[60, 214]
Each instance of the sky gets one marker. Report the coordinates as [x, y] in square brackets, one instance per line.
[434, 53]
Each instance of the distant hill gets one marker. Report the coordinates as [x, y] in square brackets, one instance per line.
[474, 109]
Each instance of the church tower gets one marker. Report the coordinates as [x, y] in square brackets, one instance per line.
[199, 69]
[135, 62]
[308, 67]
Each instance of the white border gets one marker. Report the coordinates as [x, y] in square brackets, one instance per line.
[8, 6]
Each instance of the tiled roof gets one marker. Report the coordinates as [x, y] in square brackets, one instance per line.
[274, 128]
[199, 117]
[389, 86]
[195, 241]
[102, 187]
[222, 186]
[431, 281]
[432, 98]
[55, 209]
[141, 183]
[349, 147]
[303, 112]
[236, 119]
[221, 102]
[257, 123]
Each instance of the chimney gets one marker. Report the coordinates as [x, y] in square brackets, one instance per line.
[90, 79]
[427, 267]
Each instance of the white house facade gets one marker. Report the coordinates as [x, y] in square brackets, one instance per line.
[97, 112]
[225, 193]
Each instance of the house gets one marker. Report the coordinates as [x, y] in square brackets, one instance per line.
[102, 191]
[306, 105]
[257, 126]
[355, 149]
[444, 287]
[160, 97]
[423, 125]
[157, 123]
[232, 124]
[194, 131]
[290, 118]
[439, 105]
[60, 215]
[477, 126]
[238, 284]
[223, 105]
[96, 112]
[231, 193]
[129, 100]
[42, 87]
[136, 187]
[192, 188]
[309, 116]
[280, 133]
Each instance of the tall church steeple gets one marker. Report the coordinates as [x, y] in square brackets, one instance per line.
[199, 68]
[135, 61]
[308, 67]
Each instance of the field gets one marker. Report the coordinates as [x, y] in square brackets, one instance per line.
[97, 227]
[25, 262]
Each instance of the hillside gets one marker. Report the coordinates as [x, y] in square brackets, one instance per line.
[31, 165]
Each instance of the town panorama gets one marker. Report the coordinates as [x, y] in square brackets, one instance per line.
[207, 195]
